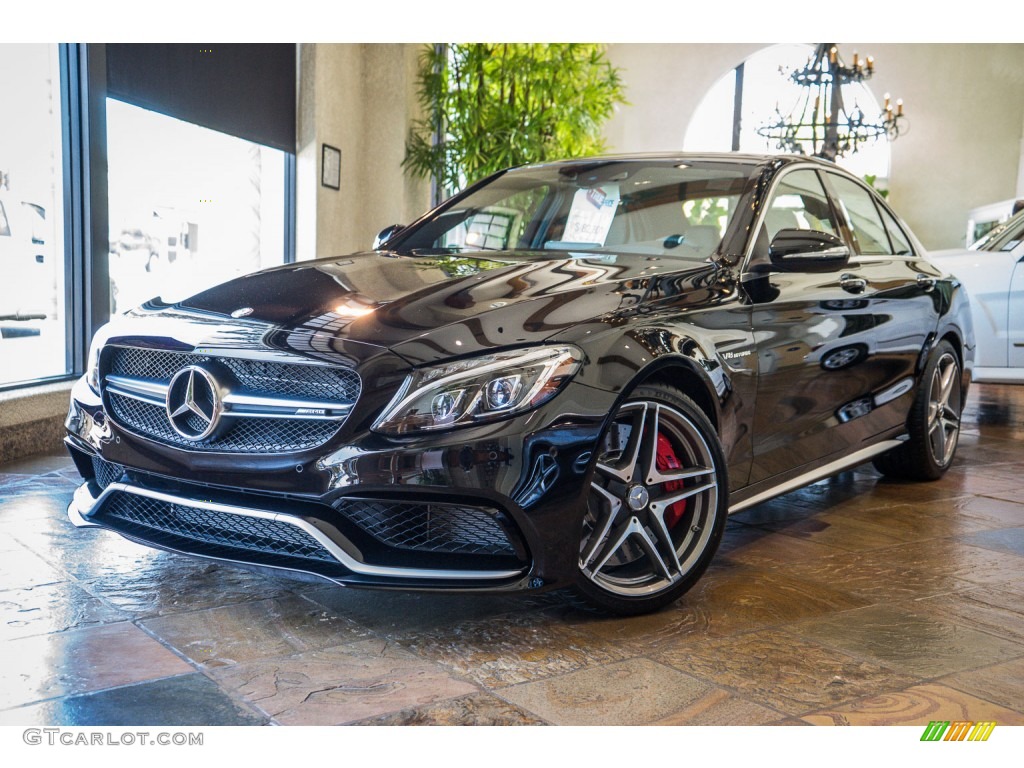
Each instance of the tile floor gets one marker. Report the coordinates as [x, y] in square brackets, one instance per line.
[853, 601]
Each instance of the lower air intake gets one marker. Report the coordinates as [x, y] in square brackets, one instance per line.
[210, 532]
[443, 528]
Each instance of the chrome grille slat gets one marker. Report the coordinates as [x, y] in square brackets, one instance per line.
[253, 435]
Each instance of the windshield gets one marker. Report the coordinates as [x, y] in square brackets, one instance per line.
[1005, 237]
[643, 207]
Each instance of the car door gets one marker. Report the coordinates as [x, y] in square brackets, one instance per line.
[837, 345]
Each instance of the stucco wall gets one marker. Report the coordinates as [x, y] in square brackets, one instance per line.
[360, 98]
[965, 104]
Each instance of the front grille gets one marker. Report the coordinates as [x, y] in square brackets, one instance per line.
[209, 532]
[245, 436]
[443, 528]
[316, 382]
[248, 433]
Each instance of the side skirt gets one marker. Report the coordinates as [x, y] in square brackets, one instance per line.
[814, 475]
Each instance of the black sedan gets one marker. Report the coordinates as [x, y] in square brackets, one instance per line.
[566, 376]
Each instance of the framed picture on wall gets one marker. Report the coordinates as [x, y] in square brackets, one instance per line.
[330, 167]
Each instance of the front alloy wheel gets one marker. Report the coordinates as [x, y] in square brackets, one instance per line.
[657, 504]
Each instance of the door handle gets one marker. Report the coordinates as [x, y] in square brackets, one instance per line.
[925, 283]
[852, 283]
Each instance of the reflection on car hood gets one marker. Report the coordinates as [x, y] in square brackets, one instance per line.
[424, 308]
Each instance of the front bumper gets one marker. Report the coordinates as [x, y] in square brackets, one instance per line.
[362, 510]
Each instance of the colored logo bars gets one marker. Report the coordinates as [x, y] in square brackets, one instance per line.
[958, 730]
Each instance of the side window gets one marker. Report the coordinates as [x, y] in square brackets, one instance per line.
[862, 216]
[5, 229]
[799, 203]
[900, 243]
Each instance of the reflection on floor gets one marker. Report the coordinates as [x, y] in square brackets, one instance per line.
[855, 600]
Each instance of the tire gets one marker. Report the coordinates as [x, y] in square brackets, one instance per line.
[933, 423]
[658, 504]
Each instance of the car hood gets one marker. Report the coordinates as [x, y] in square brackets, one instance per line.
[421, 308]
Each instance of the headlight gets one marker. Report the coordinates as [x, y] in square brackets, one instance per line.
[92, 369]
[478, 390]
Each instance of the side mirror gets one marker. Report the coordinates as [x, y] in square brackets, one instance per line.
[386, 234]
[807, 250]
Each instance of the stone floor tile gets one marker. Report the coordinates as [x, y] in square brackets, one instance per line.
[719, 707]
[1013, 497]
[81, 660]
[982, 480]
[956, 559]
[908, 523]
[917, 706]
[1001, 684]
[633, 692]
[340, 685]
[1009, 540]
[399, 614]
[726, 601]
[186, 700]
[781, 671]
[259, 629]
[1001, 510]
[511, 649]
[840, 533]
[51, 608]
[881, 576]
[994, 610]
[475, 709]
[21, 568]
[909, 642]
[755, 546]
[164, 583]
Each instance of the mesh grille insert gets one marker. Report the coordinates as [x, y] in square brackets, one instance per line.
[430, 527]
[106, 472]
[205, 531]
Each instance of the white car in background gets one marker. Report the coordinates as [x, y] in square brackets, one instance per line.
[993, 273]
[27, 270]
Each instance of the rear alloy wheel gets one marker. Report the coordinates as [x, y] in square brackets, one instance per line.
[657, 504]
[933, 424]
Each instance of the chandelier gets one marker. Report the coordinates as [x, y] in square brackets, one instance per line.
[820, 120]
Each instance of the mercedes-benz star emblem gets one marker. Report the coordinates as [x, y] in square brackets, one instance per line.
[193, 403]
[638, 498]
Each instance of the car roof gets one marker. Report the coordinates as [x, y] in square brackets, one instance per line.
[741, 158]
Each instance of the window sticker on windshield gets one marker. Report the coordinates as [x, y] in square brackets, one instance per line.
[1010, 245]
[591, 214]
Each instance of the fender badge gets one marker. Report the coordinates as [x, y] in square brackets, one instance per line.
[242, 312]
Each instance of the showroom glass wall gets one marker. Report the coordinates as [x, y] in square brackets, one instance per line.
[188, 205]
[33, 306]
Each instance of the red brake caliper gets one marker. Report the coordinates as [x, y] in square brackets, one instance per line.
[666, 459]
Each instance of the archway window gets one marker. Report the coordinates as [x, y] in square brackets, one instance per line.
[745, 98]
